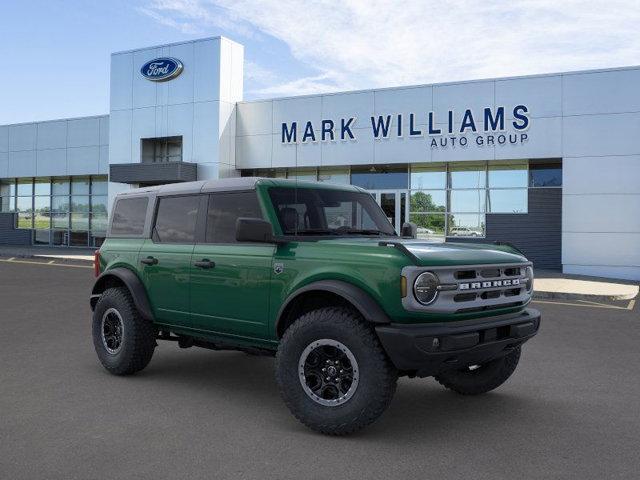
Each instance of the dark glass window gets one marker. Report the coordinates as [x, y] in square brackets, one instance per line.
[224, 210]
[545, 175]
[128, 216]
[380, 178]
[176, 219]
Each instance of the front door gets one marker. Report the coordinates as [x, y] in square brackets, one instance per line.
[394, 205]
[230, 281]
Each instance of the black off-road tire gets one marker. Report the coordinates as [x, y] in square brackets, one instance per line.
[138, 337]
[377, 376]
[487, 377]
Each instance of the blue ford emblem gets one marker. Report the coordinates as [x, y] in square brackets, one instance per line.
[162, 69]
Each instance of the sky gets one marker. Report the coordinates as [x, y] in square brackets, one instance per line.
[55, 53]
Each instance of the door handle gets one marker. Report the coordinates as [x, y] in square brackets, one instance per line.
[149, 261]
[204, 263]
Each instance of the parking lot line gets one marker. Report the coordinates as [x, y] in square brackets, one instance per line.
[589, 304]
[45, 264]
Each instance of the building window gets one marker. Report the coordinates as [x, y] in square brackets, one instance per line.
[161, 150]
[545, 174]
[380, 177]
[339, 176]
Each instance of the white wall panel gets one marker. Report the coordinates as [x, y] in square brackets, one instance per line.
[179, 121]
[83, 160]
[4, 138]
[346, 105]
[601, 135]
[22, 137]
[144, 91]
[629, 273]
[206, 132]
[180, 89]
[120, 122]
[254, 151]
[207, 79]
[542, 95]
[601, 92]
[605, 249]
[104, 130]
[417, 100]
[4, 164]
[52, 162]
[308, 154]
[596, 175]
[601, 213]
[544, 140]
[284, 155]
[143, 125]
[299, 110]
[255, 118]
[22, 164]
[104, 160]
[459, 97]
[121, 84]
[454, 153]
[401, 150]
[52, 135]
[83, 132]
[348, 152]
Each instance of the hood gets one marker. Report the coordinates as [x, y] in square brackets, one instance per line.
[444, 254]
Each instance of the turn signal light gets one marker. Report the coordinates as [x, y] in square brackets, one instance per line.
[96, 263]
[403, 286]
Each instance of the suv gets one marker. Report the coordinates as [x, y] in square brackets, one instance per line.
[315, 275]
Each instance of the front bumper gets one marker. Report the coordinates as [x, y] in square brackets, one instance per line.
[427, 349]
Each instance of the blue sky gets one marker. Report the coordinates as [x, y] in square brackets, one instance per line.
[55, 53]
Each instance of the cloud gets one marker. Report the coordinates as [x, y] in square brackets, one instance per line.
[373, 43]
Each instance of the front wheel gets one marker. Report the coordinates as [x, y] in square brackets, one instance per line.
[333, 373]
[478, 379]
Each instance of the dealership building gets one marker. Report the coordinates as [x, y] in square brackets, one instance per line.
[550, 163]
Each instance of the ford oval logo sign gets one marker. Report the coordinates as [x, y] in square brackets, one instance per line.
[162, 69]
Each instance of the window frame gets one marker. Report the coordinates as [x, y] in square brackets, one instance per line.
[154, 218]
[204, 216]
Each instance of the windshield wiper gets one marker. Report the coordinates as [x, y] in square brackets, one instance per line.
[315, 231]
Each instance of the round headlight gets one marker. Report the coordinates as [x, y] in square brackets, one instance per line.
[529, 279]
[425, 288]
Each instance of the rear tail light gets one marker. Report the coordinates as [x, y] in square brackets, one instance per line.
[96, 263]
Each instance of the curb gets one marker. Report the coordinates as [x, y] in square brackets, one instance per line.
[47, 257]
[545, 295]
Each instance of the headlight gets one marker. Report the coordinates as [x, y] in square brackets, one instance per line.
[425, 288]
[529, 279]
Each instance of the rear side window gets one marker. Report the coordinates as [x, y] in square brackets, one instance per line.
[129, 215]
[176, 219]
[224, 210]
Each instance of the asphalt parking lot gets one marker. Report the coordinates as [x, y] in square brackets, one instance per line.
[571, 410]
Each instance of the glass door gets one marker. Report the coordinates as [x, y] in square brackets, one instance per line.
[394, 205]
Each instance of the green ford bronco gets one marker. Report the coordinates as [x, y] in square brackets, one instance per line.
[316, 275]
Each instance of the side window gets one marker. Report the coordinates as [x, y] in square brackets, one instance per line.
[129, 215]
[176, 219]
[224, 210]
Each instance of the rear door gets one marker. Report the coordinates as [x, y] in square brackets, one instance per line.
[230, 281]
[165, 258]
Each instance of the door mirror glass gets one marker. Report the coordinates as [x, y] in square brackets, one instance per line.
[253, 230]
[409, 230]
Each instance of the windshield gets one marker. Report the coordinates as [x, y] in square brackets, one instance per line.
[319, 211]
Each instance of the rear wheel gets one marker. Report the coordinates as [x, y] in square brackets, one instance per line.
[123, 340]
[477, 379]
[332, 372]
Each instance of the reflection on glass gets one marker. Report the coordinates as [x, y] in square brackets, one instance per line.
[429, 177]
[98, 222]
[99, 204]
[380, 177]
[78, 239]
[303, 174]
[80, 203]
[338, 176]
[60, 186]
[472, 176]
[7, 204]
[99, 186]
[60, 220]
[42, 186]
[8, 187]
[24, 207]
[430, 225]
[80, 186]
[466, 225]
[42, 237]
[25, 188]
[545, 175]
[508, 201]
[60, 237]
[42, 208]
[60, 204]
[80, 221]
[508, 176]
[428, 201]
[468, 201]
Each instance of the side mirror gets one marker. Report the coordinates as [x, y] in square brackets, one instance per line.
[253, 230]
[409, 230]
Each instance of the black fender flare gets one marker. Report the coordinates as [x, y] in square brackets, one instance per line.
[361, 300]
[133, 284]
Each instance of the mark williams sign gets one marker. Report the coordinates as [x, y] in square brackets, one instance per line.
[162, 69]
[490, 127]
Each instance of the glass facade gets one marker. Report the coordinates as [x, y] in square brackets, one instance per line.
[445, 199]
[65, 211]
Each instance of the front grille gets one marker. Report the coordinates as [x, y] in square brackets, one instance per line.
[473, 288]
